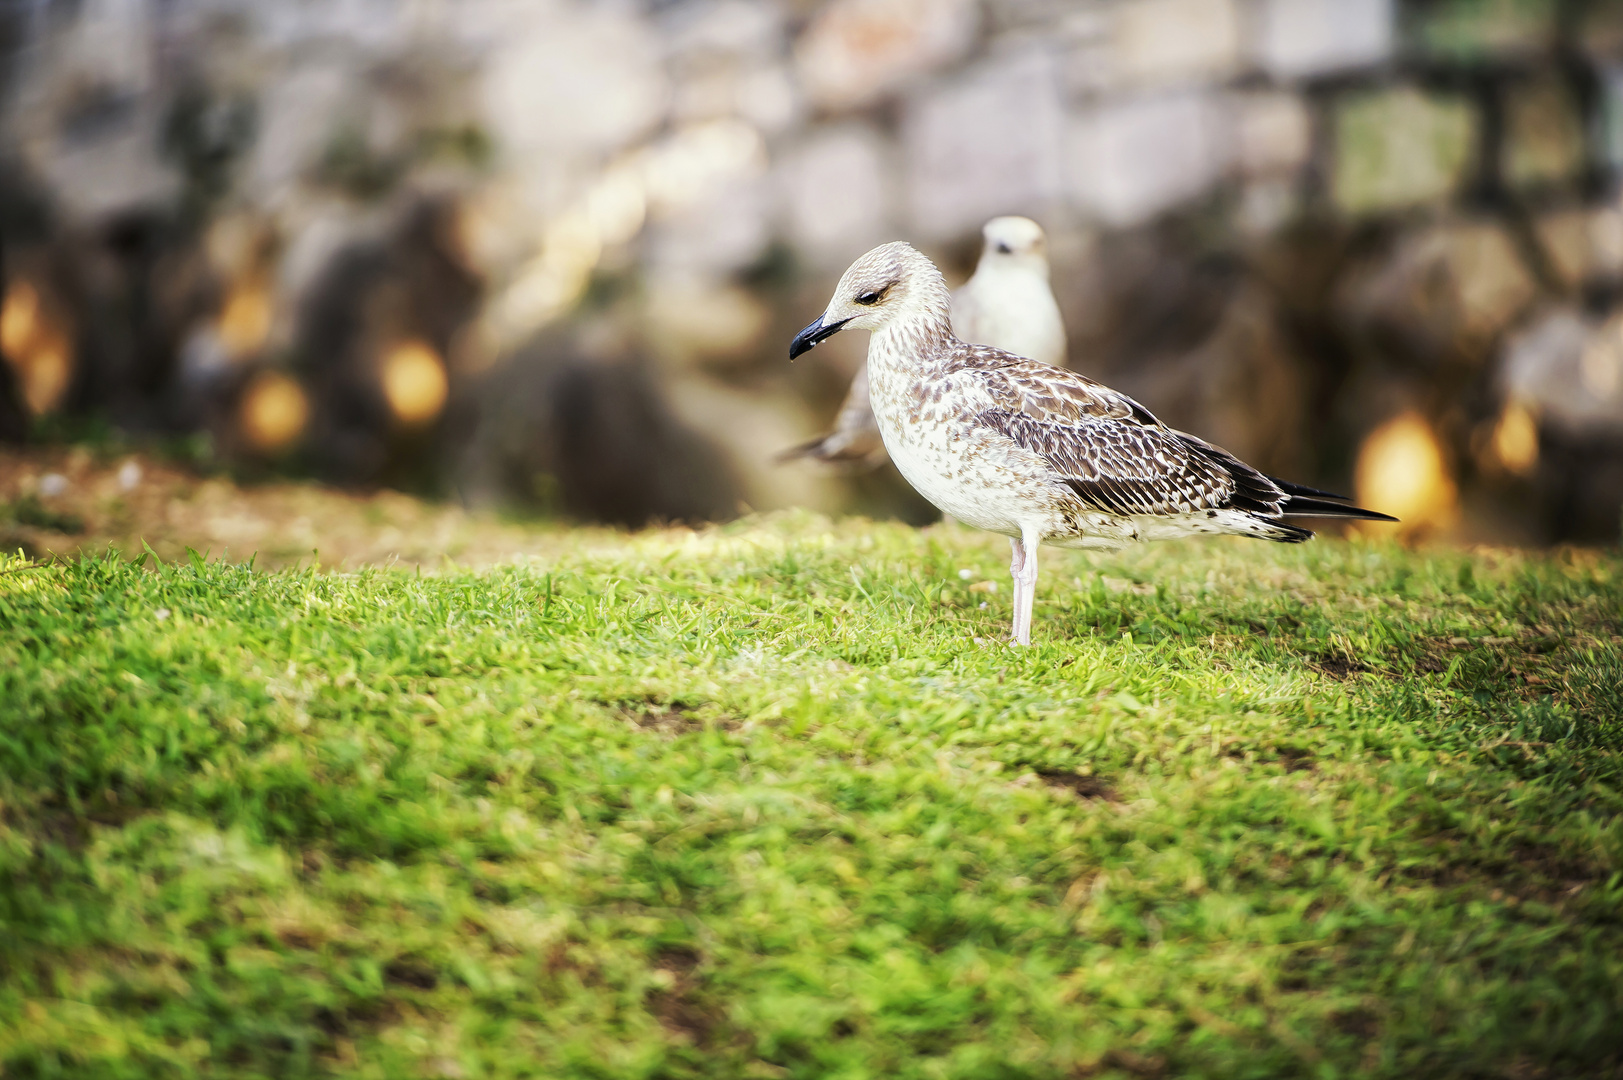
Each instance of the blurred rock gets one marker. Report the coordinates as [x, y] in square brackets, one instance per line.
[1443, 294]
[749, 426]
[724, 231]
[289, 143]
[581, 80]
[1241, 388]
[1400, 148]
[1583, 244]
[1609, 120]
[587, 432]
[1161, 42]
[723, 61]
[837, 191]
[690, 320]
[857, 51]
[1568, 368]
[86, 120]
[965, 162]
[1566, 371]
[1131, 160]
[1543, 138]
[372, 297]
[1476, 30]
[1600, 32]
[1307, 38]
[1273, 133]
[1133, 301]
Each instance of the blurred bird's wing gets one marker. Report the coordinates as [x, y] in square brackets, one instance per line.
[855, 441]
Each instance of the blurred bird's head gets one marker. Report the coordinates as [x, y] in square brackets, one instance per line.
[892, 283]
[1014, 241]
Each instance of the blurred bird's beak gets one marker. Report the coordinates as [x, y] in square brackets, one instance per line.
[808, 338]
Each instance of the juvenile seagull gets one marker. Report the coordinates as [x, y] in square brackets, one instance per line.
[1006, 304]
[1038, 453]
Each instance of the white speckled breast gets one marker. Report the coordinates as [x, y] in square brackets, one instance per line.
[959, 466]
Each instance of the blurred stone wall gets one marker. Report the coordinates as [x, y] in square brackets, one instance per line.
[551, 252]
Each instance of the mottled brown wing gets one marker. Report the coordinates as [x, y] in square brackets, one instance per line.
[1110, 450]
[1121, 467]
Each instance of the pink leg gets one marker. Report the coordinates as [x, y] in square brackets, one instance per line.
[1023, 568]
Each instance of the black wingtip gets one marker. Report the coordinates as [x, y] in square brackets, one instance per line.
[1307, 501]
[1310, 492]
[1300, 506]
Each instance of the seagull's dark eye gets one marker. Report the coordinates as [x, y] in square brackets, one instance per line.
[870, 298]
[1004, 249]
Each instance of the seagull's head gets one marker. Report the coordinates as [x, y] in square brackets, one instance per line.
[893, 282]
[1014, 241]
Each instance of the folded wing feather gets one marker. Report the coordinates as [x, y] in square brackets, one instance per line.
[1110, 450]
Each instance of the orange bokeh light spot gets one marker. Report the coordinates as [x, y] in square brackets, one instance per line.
[1515, 439]
[274, 412]
[1403, 471]
[39, 352]
[414, 382]
[246, 319]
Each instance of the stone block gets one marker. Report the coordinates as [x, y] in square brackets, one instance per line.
[290, 140]
[985, 144]
[1568, 369]
[1600, 33]
[1159, 42]
[1131, 160]
[1610, 134]
[1305, 38]
[1273, 133]
[1544, 136]
[578, 81]
[856, 52]
[723, 57]
[1083, 41]
[1444, 293]
[1477, 30]
[723, 231]
[1584, 245]
[690, 319]
[837, 191]
[1398, 148]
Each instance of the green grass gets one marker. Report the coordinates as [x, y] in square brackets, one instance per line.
[756, 803]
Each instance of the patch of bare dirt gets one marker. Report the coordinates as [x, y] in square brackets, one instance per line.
[1084, 787]
[1338, 667]
[679, 1008]
[64, 501]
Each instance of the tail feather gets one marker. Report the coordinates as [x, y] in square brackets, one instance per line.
[1306, 501]
[1299, 506]
[1302, 489]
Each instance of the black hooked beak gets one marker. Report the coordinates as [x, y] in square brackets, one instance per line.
[808, 338]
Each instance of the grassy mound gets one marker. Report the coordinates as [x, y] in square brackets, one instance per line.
[774, 800]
